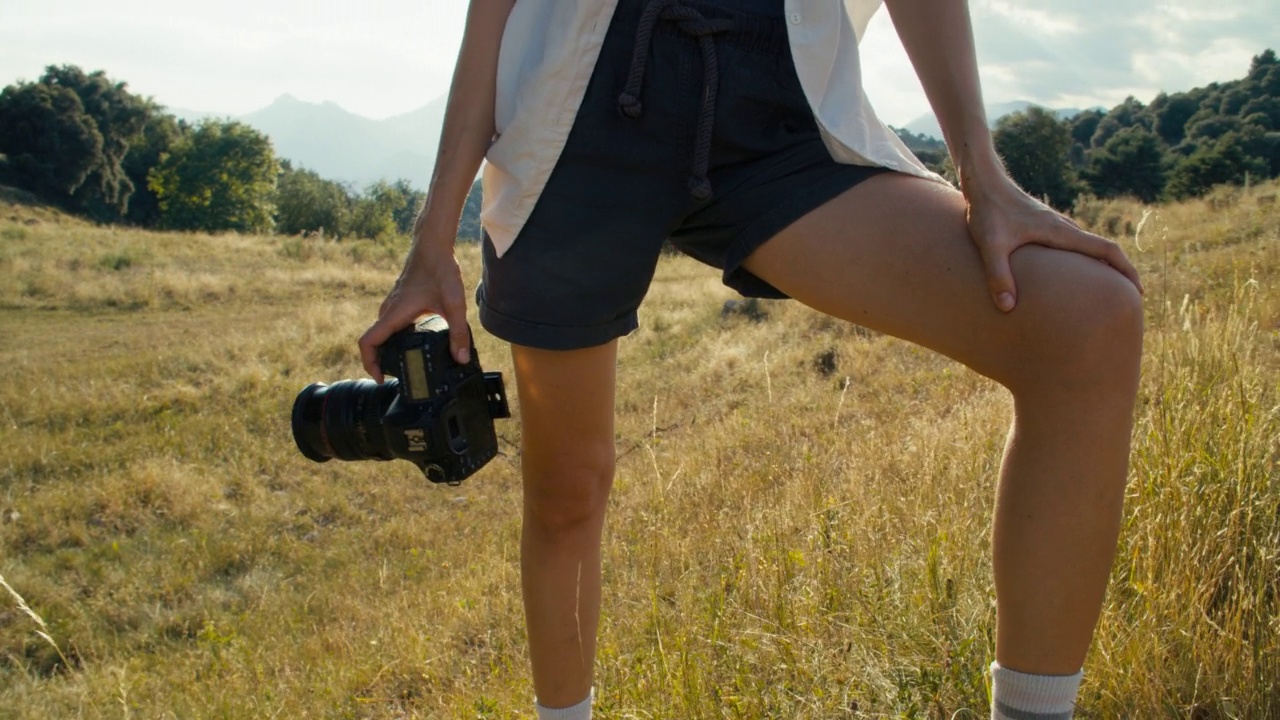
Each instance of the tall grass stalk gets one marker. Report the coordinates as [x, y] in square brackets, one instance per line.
[43, 631]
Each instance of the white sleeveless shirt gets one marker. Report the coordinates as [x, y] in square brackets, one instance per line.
[549, 50]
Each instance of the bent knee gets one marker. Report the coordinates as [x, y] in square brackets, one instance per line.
[1083, 323]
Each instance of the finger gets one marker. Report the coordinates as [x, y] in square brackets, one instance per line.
[455, 313]
[1098, 247]
[393, 317]
[1120, 261]
[1000, 279]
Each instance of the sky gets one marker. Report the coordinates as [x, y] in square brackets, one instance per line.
[386, 57]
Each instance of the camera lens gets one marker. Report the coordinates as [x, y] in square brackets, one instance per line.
[343, 420]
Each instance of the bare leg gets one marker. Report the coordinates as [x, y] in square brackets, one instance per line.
[894, 254]
[567, 459]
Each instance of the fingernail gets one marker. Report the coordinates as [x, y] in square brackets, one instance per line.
[1005, 301]
[463, 355]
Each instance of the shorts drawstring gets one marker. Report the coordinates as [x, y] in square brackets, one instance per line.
[695, 24]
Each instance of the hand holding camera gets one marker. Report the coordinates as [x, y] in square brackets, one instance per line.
[437, 413]
[431, 282]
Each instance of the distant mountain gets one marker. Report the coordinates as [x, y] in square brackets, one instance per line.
[343, 146]
[340, 145]
[927, 124]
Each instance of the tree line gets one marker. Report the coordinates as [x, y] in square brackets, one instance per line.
[1177, 146]
[83, 142]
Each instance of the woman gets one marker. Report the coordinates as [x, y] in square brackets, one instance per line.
[738, 130]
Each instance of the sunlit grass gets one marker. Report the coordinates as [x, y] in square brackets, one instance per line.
[798, 529]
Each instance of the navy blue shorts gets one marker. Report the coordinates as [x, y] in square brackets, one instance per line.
[717, 168]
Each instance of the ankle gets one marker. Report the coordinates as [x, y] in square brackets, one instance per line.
[579, 711]
[1033, 697]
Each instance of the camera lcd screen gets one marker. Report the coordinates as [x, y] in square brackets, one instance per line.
[416, 375]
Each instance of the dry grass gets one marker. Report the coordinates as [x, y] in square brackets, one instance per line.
[799, 527]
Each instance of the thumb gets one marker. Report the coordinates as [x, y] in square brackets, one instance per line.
[1000, 280]
[369, 342]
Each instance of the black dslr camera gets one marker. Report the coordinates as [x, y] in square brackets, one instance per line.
[437, 414]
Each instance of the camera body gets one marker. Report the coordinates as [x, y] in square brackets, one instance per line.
[436, 413]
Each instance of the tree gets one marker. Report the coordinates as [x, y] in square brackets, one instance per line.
[1233, 100]
[374, 213]
[1084, 124]
[1260, 120]
[1272, 143]
[1262, 63]
[119, 117]
[1126, 114]
[158, 136]
[305, 202]
[52, 145]
[387, 209]
[1269, 106]
[1172, 115]
[407, 214]
[469, 224]
[1131, 163]
[1224, 161]
[1269, 82]
[1034, 145]
[1212, 127]
[67, 136]
[1256, 141]
[221, 176]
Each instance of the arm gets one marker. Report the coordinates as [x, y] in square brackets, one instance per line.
[431, 280]
[938, 37]
[468, 127]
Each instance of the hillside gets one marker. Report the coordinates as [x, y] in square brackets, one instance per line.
[798, 527]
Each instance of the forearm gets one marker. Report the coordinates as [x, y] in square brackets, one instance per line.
[938, 37]
[468, 127]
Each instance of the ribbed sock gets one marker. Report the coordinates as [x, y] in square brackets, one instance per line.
[1020, 696]
[581, 711]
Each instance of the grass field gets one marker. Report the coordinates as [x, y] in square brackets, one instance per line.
[798, 529]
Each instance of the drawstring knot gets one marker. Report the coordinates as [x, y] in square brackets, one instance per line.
[629, 105]
[700, 187]
[696, 25]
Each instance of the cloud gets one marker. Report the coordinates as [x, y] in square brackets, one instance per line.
[235, 56]
[377, 59]
[1084, 53]
[1051, 21]
[1098, 52]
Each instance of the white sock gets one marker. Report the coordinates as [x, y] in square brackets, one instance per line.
[1020, 696]
[581, 711]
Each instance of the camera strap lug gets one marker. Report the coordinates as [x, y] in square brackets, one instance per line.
[496, 394]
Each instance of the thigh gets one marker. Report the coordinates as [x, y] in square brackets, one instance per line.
[894, 254]
[566, 419]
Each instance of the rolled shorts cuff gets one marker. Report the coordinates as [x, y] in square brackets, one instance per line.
[551, 337]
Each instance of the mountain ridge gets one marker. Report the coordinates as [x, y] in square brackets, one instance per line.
[344, 146]
[927, 124]
[350, 148]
